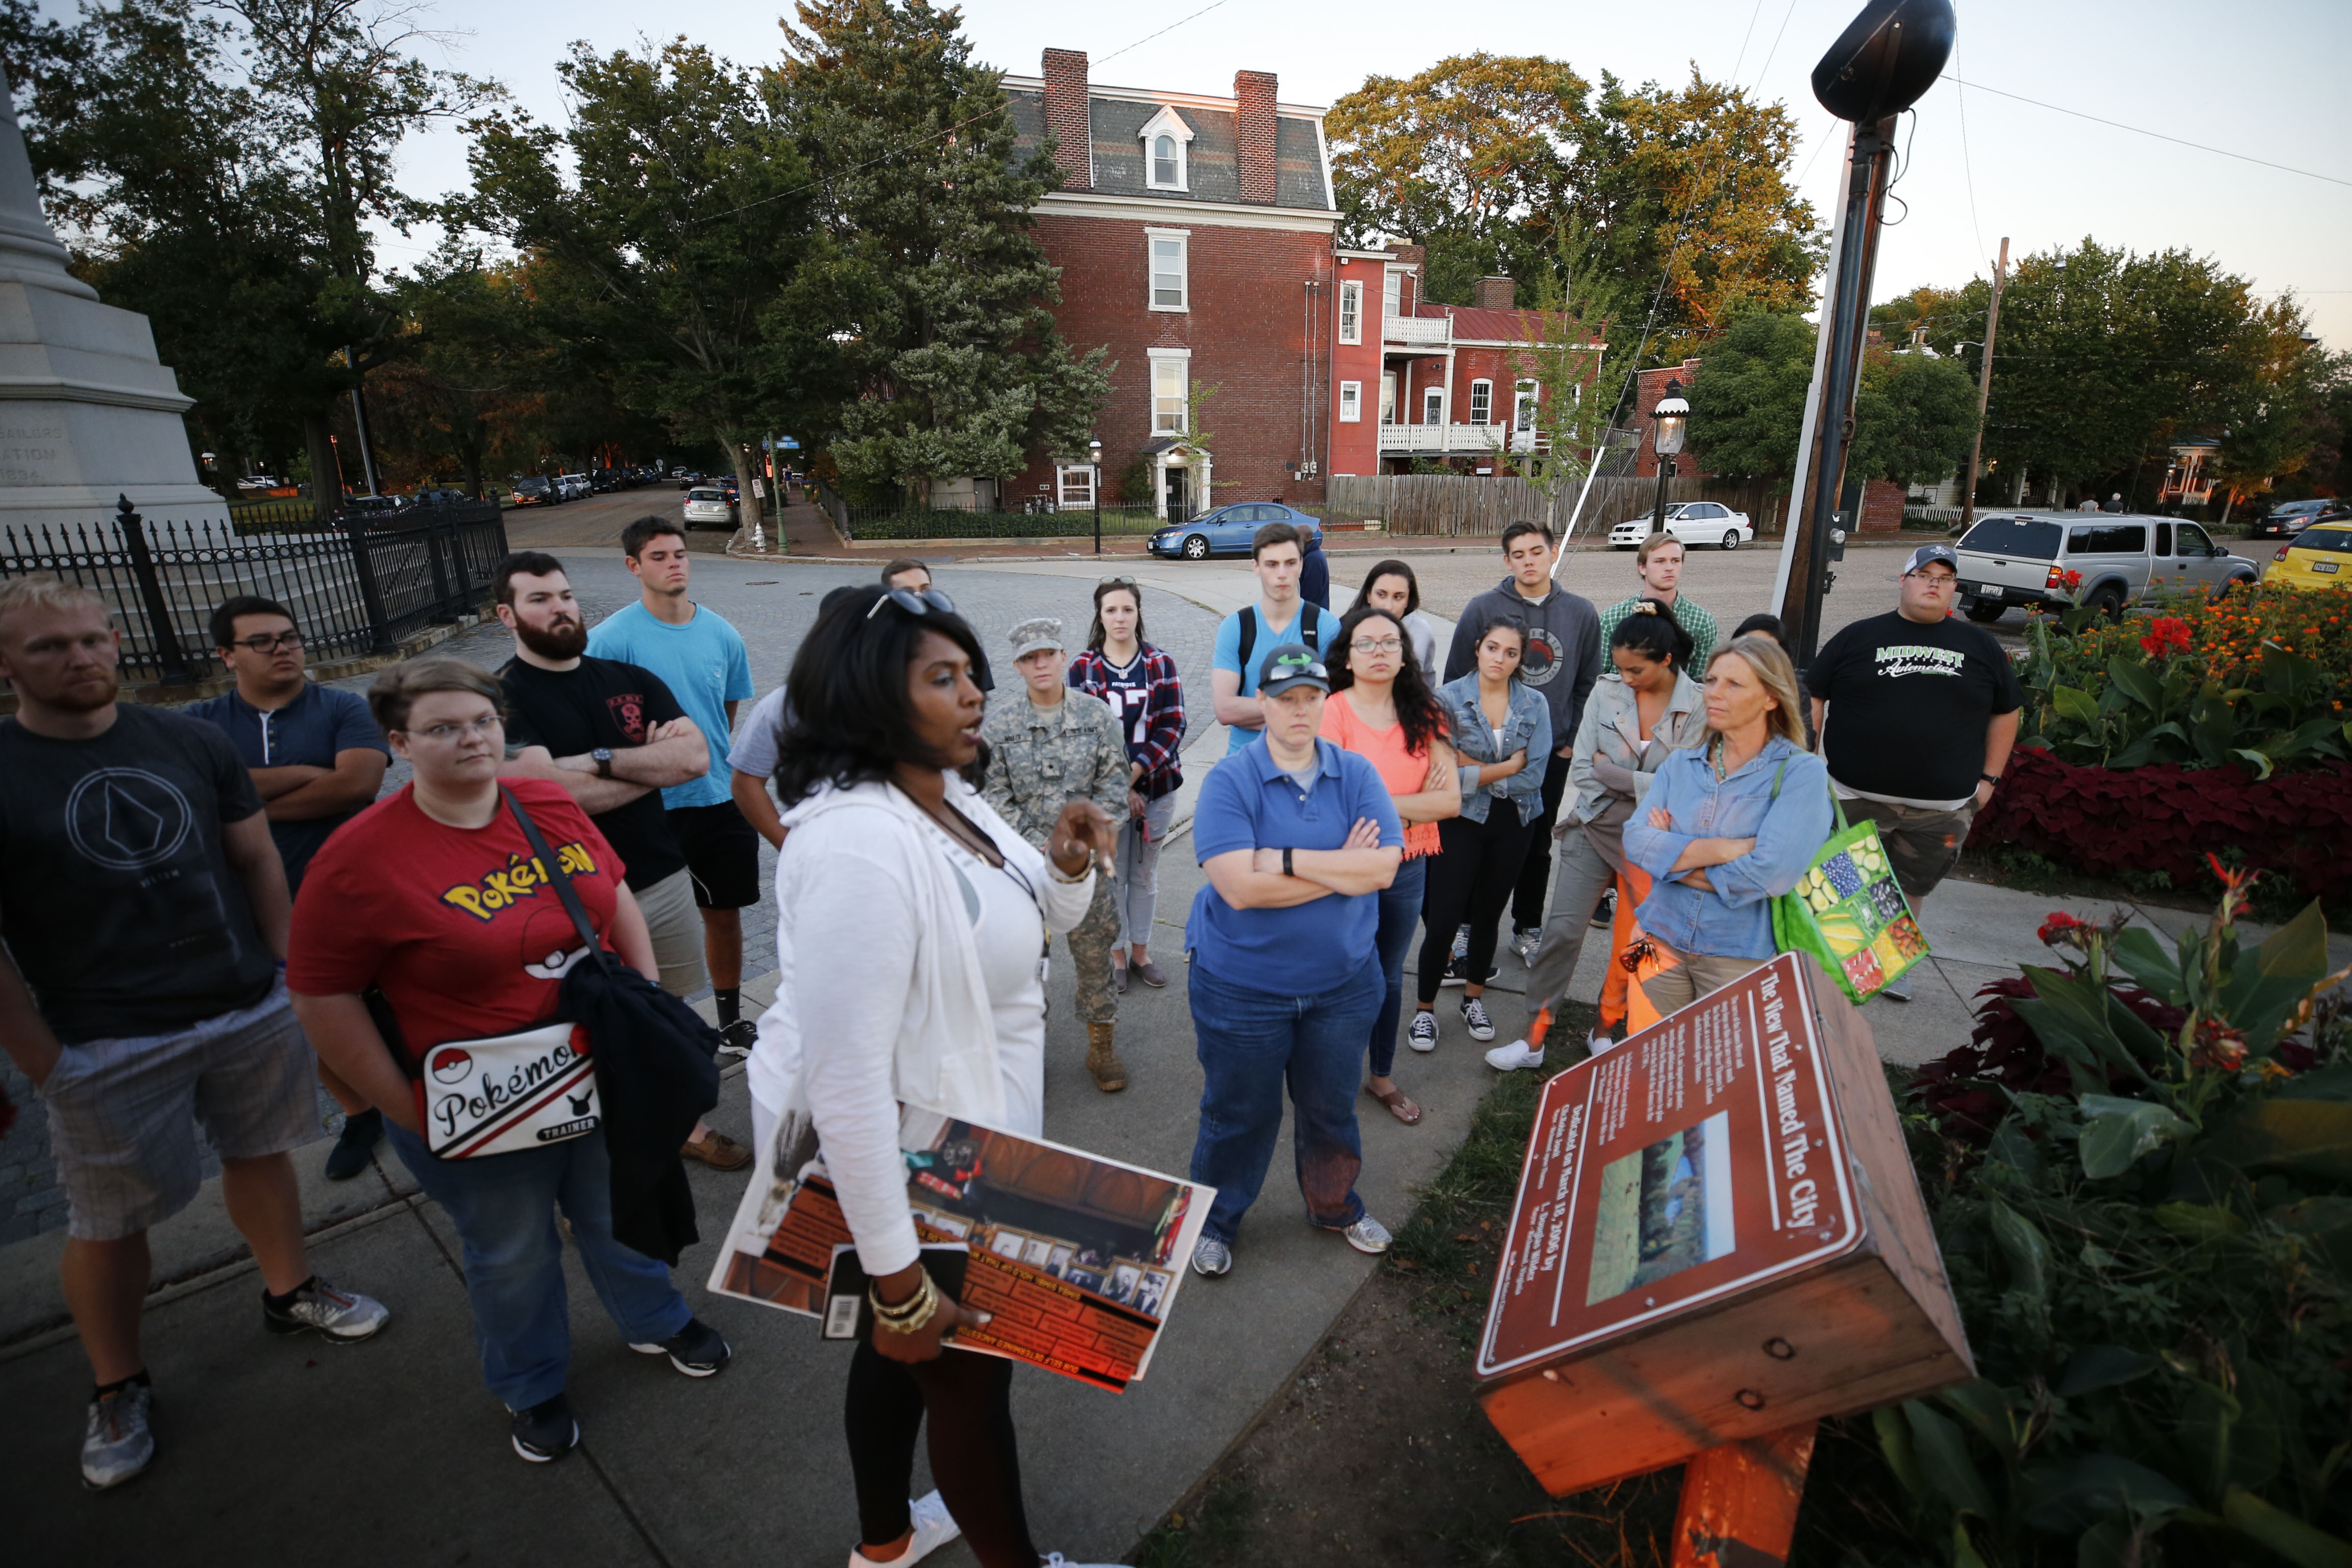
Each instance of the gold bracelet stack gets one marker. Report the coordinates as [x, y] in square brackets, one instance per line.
[1093, 858]
[909, 1315]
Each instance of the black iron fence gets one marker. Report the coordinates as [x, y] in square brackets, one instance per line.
[359, 587]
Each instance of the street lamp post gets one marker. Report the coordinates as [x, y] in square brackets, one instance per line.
[1672, 414]
[1094, 460]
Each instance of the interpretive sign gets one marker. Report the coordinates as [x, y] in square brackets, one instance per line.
[1718, 1235]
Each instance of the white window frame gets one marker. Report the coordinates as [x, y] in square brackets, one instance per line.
[1180, 361]
[1392, 293]
[1525, 406]
[1153, 238]
[1073, 484]
[1170, 124]
[1351, 312]
[1481, 402]
[1351, 402]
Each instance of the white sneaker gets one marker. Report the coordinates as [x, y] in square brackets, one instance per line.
[934, 1528]
[1512, 1057]
[1598, 1042]
[1055, 1560]
[1422, 1036]
[1368, 1235]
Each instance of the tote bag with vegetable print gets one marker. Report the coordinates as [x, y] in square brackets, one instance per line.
[1848, 911]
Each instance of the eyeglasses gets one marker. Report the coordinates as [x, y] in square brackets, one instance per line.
[1384, 645]
[1114, 582]
[443, 734]
[915, 602]
[272, 643]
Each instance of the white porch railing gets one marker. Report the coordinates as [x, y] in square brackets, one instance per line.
[1458, 439]
[1416, 329]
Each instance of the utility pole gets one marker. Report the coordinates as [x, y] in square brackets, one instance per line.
[1984, 389]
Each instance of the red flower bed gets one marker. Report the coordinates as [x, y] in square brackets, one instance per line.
[2165, 817]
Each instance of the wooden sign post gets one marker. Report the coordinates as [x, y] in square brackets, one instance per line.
[1717, 1241]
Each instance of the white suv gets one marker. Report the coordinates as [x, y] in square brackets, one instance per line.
[1693, 522]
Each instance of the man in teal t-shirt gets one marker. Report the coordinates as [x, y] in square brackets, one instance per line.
[1248, 636]
[702, 660]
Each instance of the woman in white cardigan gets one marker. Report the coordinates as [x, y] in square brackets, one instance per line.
[910, 924]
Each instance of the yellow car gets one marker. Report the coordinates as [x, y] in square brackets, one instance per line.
[2318, 557]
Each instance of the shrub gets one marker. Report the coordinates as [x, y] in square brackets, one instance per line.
[2141, 1175]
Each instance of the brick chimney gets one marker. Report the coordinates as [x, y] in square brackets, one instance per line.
[1067, 120]
[1254, 134]
[1494, 294]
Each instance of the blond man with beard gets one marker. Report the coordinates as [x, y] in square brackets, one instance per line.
[142, 991]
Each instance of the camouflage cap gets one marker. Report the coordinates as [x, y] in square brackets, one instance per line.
[1041, 631]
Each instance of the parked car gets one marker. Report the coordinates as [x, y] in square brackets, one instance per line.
[440, 498]
[1693, 522]
[535, 490]
[2024, 559]
[371, 505]
[688, 477]
[707, 506]
[575, 486]
[1227, 530]
[2291, 517]
[2319, 557]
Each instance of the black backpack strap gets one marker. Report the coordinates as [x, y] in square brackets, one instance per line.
[1249, 640]
[559, 876]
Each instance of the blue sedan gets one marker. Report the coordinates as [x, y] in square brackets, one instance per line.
[1228, 530]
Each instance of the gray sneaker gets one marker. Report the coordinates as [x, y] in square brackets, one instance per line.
[345, 1317]
[1211, 1258]
[1527, 942]
[1899, 991]
[1368, 1235]
[117, 1444]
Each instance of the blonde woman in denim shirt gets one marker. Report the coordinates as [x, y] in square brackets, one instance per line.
[1502, 734]
[1731, 825]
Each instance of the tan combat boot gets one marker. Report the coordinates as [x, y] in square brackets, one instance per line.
[1102, 1061]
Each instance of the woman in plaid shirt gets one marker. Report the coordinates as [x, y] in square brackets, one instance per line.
[1139, 683]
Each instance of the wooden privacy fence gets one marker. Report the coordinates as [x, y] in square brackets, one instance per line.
[1458, 505]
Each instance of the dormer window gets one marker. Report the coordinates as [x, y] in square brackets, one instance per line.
[1165, 139]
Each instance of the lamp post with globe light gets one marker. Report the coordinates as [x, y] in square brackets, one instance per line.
[1668, 418]
[1094, 460]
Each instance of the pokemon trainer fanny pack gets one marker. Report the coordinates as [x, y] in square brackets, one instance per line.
[509, 1092]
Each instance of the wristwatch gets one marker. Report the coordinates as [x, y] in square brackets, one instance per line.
[1993, 779]
[603, 757]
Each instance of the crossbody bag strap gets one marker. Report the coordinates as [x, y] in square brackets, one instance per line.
[562, 879]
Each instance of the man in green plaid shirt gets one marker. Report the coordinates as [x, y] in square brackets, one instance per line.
[1660, 561]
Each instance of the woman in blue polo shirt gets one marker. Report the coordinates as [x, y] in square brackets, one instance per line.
[1298, 838]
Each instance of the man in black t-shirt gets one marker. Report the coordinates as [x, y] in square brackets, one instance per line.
[1925, 710]
[616, 737]
[142, 992]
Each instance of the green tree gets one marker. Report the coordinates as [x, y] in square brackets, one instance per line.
[1483, 159]
[663, 229]
[1748, 402]
[1913, 417]
[948, 363]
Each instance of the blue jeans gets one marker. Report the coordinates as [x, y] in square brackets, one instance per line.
[1251, 1044]
[504, 1209]
[1399, 914]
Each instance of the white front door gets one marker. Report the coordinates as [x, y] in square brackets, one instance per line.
[1388, 397]
[1433, 406]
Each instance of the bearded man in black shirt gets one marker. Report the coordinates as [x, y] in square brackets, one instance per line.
[1925, 711]
[615, 736]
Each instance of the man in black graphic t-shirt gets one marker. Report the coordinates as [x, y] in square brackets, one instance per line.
[1917, 712]
[144, 913]
[615, 735]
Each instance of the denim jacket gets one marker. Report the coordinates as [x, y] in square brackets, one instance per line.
[1527, 729]
[1612, 722]
[1735, 921]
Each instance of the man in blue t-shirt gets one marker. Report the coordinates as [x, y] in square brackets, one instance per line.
[1249, 636]
[702, 660]
[1298, 838]
[316, 758]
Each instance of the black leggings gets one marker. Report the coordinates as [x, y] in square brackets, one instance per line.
[1470, 880]
[974, 1457]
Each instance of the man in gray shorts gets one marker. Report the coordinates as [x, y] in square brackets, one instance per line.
[142, 991]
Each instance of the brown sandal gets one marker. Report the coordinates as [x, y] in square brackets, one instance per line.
[1403, 1110]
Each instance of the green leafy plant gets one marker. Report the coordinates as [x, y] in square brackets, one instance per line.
[2154, 1262]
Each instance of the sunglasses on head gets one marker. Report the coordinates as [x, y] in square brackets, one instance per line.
[1114, 582]
[915, 602]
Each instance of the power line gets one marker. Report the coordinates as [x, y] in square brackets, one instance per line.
[2161, 136]
[1967, 167]
[1169, 28]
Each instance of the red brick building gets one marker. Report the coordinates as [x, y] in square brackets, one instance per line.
[1195, 240]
